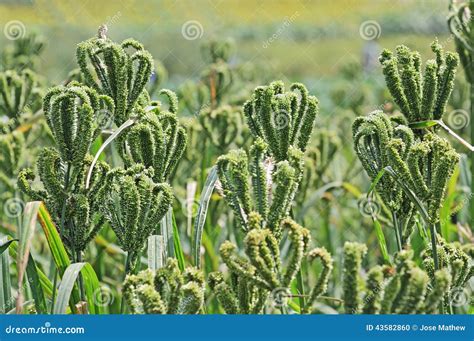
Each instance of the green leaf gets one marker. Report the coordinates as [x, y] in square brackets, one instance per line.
[423, 124]
[56, 246]
[6, 301]
[178, 251]
[202, 214]
[91, 288]
[381, 239]
[43, 279]
[316, 196]
[431, 123]
[25, 235]
[412, 196]
[155, 252]
[36, 290]
[167, 232]
[5, 243]
[112, 137]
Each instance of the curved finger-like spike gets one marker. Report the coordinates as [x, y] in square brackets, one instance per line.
[321, 285]
[442, 282]
[445, 84]
[300, 240]
[224, 293]
[430, 88]
[240, 266]
[111, 70]
[373, 296]
[353, 254]
[284, 178]
[261, 257]
[259, 176]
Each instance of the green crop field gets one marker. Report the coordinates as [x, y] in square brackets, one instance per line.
[229, 157]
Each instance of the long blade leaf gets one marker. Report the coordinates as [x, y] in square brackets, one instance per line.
[155, 252]
[91, 288]
[6, 301]
[177, 245]
[202, 214]
[25, 235]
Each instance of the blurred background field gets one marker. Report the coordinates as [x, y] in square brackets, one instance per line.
[320, 37]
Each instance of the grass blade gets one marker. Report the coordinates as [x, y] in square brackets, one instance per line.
[155, 252]
[91, 287]
[36, 290]
[381, 239]
[6, 301]
[177, 245]
[109, 140]
[423, 124]
[5, 243]
[412, 196]
[58, 251]
[25, 235]
[431, 123]
[315, 196]
[56, 246]
[202, 214]
[167, 232]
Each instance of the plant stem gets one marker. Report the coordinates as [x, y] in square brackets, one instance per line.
[398, 234]
[53, 295]
[81, 280]
[434, 249]
[300, 285]
[471, 155]
[127, 269]
[63, 209]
